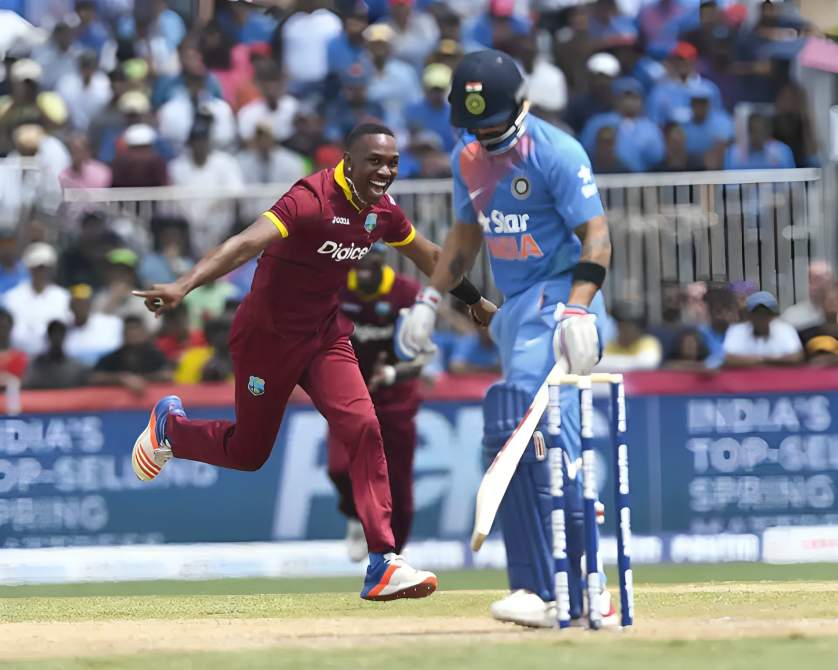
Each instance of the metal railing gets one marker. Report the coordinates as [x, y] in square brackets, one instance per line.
[759, 225]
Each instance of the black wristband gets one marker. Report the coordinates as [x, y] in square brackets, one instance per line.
[589, 272]
[467, 292]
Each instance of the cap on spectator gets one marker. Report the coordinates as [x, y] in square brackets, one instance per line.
[378, 32]
[39, 254]
[122, 256]
[26, 69]
[684, 50]
[822, 344]
[502, 8]
[140, 135]
[603, 63]
[28, 137]
[135, 69]
[437, 75]
[81, 291]
[743, 287]
[134, 102]
[762, 299]
[625, 85]
[700, 90]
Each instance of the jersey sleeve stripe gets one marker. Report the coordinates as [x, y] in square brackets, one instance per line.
[407, 240]
[274, 219]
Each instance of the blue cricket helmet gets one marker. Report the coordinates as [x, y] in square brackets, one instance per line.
[488, 89]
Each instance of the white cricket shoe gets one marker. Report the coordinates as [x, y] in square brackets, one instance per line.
[356, 541]
[526, 609]
[389, 577]
[151, 449]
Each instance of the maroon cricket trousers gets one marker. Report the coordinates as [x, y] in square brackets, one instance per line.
[267, 365]
[398, 428]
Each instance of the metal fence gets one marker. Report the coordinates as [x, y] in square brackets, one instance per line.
[762, 226]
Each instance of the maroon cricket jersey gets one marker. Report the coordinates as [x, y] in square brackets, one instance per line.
[375, 317]
[324, 234]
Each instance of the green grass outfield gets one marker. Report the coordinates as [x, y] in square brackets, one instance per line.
[725, 617]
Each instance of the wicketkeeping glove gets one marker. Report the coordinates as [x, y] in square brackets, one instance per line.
[415, 326]
[576, 338]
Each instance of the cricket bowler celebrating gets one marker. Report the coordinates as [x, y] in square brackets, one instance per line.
[289, 331]
[527, 188]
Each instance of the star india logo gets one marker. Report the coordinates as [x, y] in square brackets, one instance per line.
[589, 188]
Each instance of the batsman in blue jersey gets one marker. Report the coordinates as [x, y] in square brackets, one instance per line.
[526, 188]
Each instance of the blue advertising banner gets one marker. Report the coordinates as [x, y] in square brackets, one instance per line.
[728, 463]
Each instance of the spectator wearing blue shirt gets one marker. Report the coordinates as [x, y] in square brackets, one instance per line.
[91, 33]
[662, 21]
[604, 159]
[247, 24]
[605, 23]
[474, 353]
[393, 83]
[432, 112]
[640, 143]
[348, 46]
[352, 106]
[670, 99]
[723, 312]
[165, 23]
[709, 130]
[497, 27]
[761, 152]
[12, 269]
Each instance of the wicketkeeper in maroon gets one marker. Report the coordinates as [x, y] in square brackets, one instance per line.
[289, 331]
[372, 299]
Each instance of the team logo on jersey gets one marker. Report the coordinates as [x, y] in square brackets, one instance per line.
[475, 104]
[256, 386]
[521, 188]
[371, 222]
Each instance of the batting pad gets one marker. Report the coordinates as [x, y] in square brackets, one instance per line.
[525, 510]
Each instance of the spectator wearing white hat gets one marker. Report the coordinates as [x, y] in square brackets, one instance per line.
[35, 302]
[140, 164]
[603, 69]
[34, 190]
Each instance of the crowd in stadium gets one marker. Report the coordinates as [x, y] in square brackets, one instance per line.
[117, 93]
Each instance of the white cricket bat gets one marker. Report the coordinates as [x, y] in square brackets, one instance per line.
[496, 480]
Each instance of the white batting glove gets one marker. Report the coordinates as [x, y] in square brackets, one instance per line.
[576, 338]
[416, 325]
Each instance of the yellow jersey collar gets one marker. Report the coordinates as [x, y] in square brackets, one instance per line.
[340, 179]
[388, 278]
